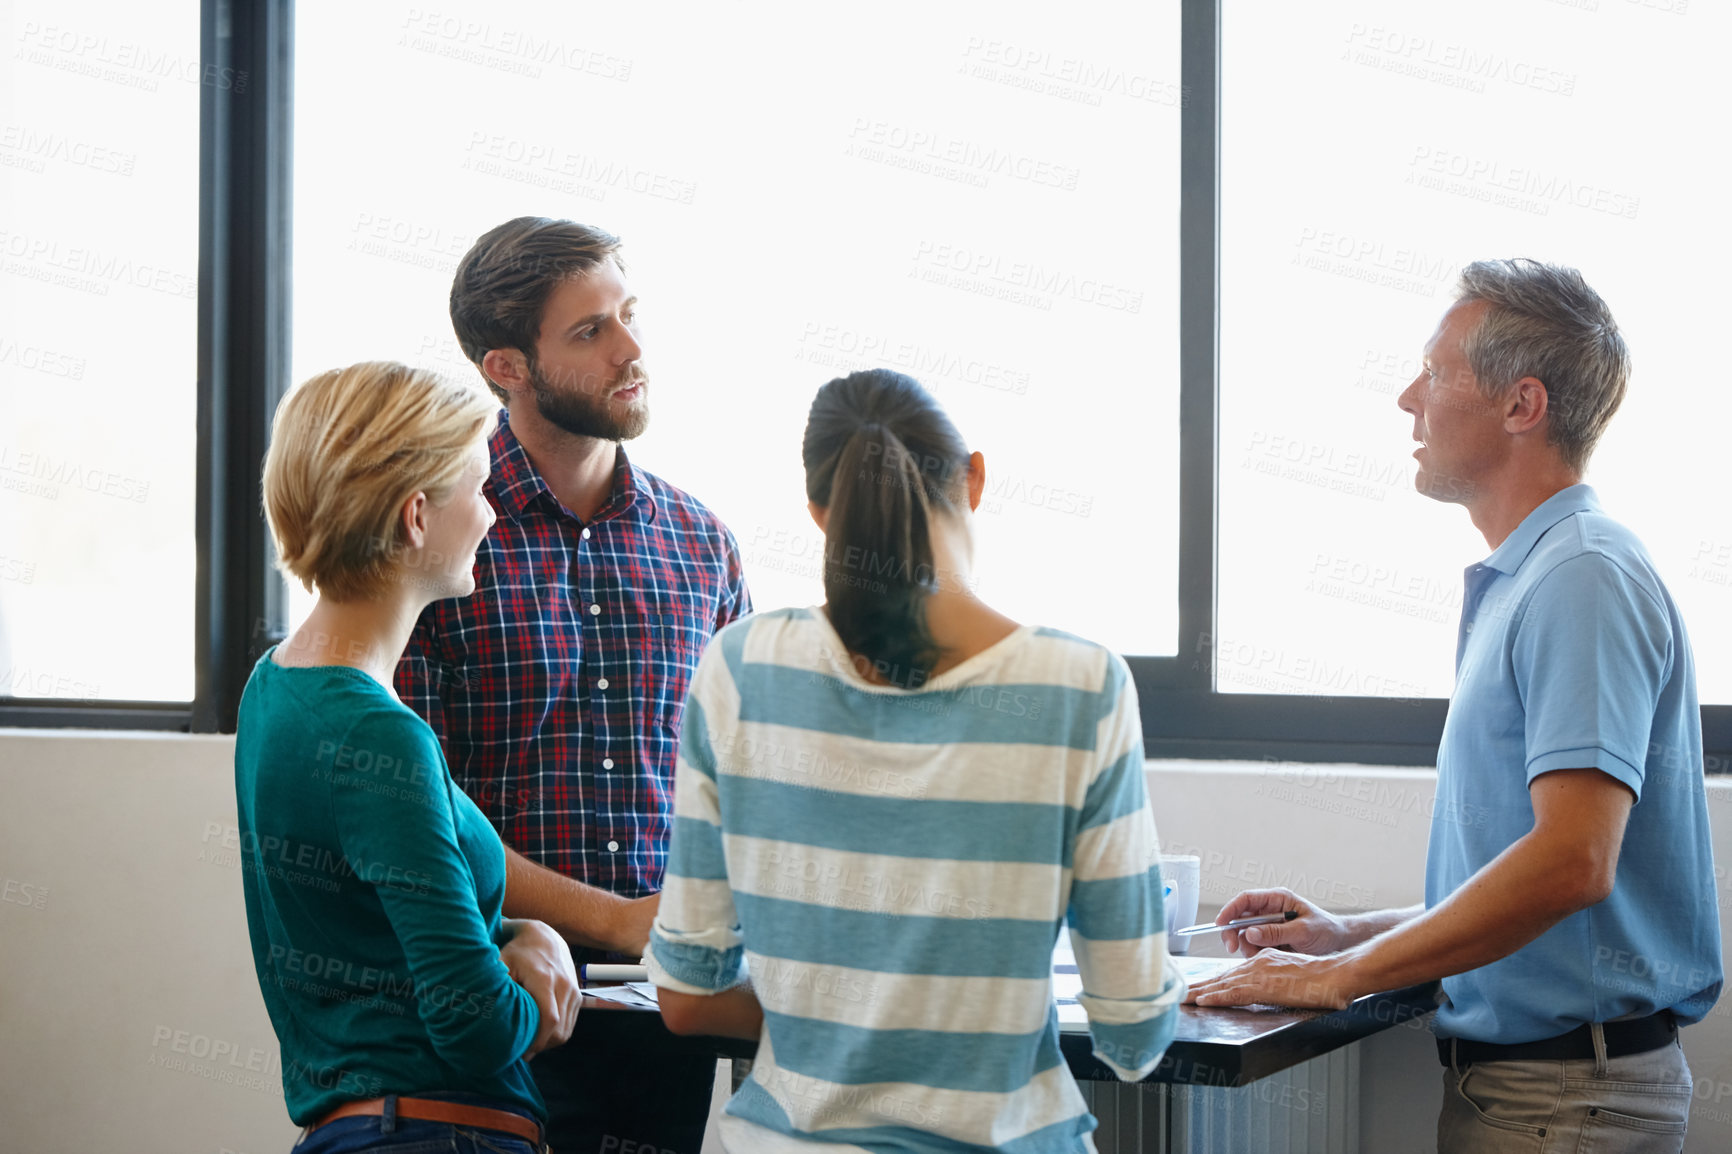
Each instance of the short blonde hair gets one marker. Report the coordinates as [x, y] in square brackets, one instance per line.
[348, 447]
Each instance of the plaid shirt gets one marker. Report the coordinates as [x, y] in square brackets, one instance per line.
[556, 688]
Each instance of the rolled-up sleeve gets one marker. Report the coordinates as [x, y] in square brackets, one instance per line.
[695, 945]
[1131, 992]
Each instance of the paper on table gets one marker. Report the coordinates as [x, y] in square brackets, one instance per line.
[639, 995]
[1067, 983]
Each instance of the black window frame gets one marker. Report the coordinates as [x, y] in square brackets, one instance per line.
[245, 214]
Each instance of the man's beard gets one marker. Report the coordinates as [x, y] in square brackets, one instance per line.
[586, 414]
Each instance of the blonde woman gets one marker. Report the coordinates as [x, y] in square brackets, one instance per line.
[405, 1005]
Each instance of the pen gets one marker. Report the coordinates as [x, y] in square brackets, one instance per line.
[588, 974]
[1205, 927]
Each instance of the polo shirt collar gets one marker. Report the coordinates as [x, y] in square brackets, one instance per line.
[517, 483]
[1508, 557]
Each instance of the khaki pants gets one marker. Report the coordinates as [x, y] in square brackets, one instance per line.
[1636, 1104]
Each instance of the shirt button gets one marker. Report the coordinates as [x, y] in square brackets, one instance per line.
[1470, 627]
[613, 847]
[607, 763]
[601, 683]
[595, 611]
[586, 534]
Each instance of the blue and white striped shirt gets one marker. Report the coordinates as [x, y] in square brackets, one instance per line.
[892, 868]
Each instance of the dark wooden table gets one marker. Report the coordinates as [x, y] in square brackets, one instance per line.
[1221, 1047]
[1213, 1047]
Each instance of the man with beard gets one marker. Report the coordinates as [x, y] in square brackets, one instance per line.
[556, 688]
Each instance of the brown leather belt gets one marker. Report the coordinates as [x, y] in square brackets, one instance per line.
[432, 1110]
[1631, 1036]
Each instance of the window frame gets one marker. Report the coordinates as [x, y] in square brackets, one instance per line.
[245, 263]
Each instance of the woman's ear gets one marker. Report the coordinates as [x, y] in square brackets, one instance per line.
[976, 479]
[413, 516]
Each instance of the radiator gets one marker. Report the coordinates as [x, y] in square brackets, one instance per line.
[1312, 1108]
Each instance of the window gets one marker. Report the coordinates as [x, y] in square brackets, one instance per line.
[98, 312]
[943, 191]
[1167, 265]
[1404, 144]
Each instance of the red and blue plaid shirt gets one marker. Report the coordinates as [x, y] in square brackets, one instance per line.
[556, 688]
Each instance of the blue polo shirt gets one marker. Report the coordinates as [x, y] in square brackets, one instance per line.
[1572, 655]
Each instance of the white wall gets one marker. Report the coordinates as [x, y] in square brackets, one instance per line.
[130, 1018]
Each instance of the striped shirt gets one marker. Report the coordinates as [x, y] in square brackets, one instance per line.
[891, 868]
[556, 687]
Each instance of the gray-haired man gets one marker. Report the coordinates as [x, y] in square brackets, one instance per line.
[1575, 928]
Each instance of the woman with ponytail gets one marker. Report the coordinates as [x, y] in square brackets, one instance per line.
[885, 808]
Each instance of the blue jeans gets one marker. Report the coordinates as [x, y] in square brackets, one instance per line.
[409, 1136]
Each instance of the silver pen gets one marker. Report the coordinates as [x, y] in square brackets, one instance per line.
[1266, 919]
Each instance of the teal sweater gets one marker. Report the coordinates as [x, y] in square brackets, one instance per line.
[373, 888]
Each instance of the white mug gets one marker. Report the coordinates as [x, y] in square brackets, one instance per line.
[1181, 878]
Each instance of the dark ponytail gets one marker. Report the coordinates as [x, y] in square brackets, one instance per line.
[884, 460]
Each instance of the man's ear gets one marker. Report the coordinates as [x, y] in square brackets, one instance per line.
[1525, 406]
[976, 478]
[820, 515]
[507, 368]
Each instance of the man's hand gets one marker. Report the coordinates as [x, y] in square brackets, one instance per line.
[1280, 978]
[540, 962]
[1314, 931]
[632, 930]
[1566, 863]
[584, 915]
